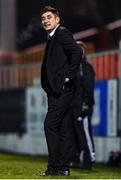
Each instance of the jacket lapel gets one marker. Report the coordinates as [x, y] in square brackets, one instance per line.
[49, 46]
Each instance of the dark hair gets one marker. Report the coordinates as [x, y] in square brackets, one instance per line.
[50, 9]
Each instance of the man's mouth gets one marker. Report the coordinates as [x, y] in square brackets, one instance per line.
[47, 25]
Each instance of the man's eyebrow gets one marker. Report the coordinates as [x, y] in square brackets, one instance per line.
[49, 14]
[42, 17]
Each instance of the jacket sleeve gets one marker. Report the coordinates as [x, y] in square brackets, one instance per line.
[72, 50]
[88, 84]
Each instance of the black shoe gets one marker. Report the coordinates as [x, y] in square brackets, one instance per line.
[64, 173]
[75, 165]
[50, 172]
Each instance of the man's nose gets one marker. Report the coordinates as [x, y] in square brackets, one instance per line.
[46, 20]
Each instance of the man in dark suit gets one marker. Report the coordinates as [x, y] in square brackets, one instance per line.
[59, 70]
[82, 114]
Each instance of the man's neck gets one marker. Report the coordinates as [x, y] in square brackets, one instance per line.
[52, 32]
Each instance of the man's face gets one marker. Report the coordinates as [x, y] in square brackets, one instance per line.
[49, 21]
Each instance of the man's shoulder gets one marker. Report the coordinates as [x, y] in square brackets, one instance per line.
[89, 67]
[87, 64]
[62, 29]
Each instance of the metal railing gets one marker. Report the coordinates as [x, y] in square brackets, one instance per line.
[106, 64]
[17, 76]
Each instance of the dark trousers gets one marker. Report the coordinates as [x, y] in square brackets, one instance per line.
[57, 127]
[83, 139]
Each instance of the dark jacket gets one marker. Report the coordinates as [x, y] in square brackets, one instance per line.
[88, 78]
[61, 59]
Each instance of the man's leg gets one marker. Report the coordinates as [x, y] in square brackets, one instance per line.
[76, 112]
[89, 154]
[66, 146]
[91, 134]
[57, 108]
[81, 127]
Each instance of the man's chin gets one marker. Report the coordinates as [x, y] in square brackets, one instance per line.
[49, 30]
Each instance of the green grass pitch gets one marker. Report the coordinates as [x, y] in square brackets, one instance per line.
[13, 166]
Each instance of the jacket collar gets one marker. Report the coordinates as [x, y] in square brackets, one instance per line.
[53, 31]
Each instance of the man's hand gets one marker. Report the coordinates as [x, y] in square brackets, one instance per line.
[67, 83]
[67, 80]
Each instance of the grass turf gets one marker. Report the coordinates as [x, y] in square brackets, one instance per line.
[14, 166]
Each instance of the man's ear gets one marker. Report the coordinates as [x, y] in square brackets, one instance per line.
[57, 19]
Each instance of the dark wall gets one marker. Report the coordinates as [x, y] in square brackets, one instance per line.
[12, 111]
[77, 15]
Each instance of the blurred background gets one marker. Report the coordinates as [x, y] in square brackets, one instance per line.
[22, 41]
